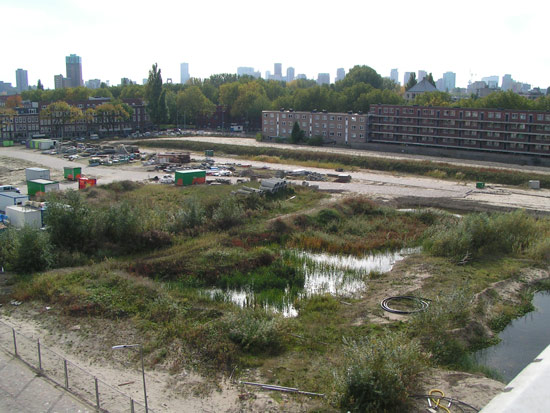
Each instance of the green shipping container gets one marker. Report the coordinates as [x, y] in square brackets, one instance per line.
[7, 143]
[480, 185]
[39, 186]
[209, 152]
[190, 177]
[72, 174]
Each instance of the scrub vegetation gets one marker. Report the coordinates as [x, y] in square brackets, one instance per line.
[156, 255]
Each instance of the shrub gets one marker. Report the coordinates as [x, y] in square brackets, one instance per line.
[327, 216]
[255, 331]
[190, 217]
[379, 372]
[33, 251]
[228, 213]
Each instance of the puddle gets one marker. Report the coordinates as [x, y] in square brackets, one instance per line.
[341, 276]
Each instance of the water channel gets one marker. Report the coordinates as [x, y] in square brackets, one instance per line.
[522, 340]
[338, 275]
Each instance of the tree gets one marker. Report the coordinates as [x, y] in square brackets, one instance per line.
[6, 119]
[412, 81]
[192, 103]
[153, 91]
[111, 114]
[362, 74]
[297, 135]
[14, 101]
[39, 85]
[33, 251]
[60, 114]
[430, 78]
[433, 99]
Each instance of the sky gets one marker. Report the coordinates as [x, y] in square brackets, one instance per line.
[124, 38]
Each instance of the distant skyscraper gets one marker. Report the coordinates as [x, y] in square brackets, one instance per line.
[449, 81]
[301, 76]
[184, 73]
[93, 84]
[323, 79]
[340, 74]
[74, 71]
[439, 84]
[492, 81]
[278, 70]
[507, 82]
[245, 71]
[267, 75]
[59, 81]
[21, 80]
[290, 74]
[421, 75]
[394, 75]
[406, 77]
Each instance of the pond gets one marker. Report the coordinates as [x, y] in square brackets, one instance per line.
[339, 275]
[522, 340]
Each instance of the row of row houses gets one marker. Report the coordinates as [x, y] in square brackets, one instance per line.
[524, 132]
[27, 121]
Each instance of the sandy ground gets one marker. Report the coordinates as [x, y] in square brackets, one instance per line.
[384, 186]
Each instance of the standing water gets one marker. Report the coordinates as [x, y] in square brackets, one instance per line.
[522, 340]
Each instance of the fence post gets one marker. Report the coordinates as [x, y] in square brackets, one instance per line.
[66, 374]
[131, 405]
[97, 394]
[39, 356]
[14, 343]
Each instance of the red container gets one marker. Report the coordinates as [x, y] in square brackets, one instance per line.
[84, 183]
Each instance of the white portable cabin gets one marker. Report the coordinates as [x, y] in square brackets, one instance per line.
[20, 216]
[37, 173]
[10, 199]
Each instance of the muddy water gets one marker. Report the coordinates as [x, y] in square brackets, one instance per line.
[342, 276]
[522, 340]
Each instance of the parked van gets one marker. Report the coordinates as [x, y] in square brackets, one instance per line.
[9, 188]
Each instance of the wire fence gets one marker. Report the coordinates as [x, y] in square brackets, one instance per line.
[66, 374]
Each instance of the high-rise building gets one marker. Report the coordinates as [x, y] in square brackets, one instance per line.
[59, 81]
[245, 71]
[323, 79]
[93, 84]
[278, 70]
[267, 74]
[492, 81]
[394, 75]
[290, 74]
[74, 71]
[449, 81]
[340, 74]
[21, 80]
[421, 75]
[301, 76]
[406, 77]
[507, 82]
[184, 73]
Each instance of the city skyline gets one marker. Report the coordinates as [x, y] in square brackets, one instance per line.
[64, 27]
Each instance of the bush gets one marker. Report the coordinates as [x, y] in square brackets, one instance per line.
[379, 372]
[327, 216]
[228, 213]
[33, 251]
[255, 331]
[189, 218]
[315, 141]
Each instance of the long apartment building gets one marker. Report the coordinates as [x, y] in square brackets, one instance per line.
[525, 132]
[340, 128]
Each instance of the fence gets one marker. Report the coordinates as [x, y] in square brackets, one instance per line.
[66, 374]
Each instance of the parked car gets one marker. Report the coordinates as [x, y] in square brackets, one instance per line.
[167, 179]
[9, 188]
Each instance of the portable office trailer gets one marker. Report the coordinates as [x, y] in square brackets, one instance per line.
[7, 143]
[20, 216]
[84, 183]
[72, 173]
[37, 173]
[41, 144]
[41, 186]
[10, 199]
[190, 177]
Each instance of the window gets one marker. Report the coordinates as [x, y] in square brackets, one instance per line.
[272, 115]
[522, 116]
[339, 118]
[304, 117]
[468, 114]
[540, 117]
[353, 127]
[353, 135]
[514, 115]
[331, 126]
[284, 123]
[361, 119]
[498, 115]
[491, 115]
[290, 116]
[304, 124]
[324, 125]
[283, 116]
[324, 117]
[339, 126]
[339, 134]
[332, 117]
[354, 119]
[283, 130]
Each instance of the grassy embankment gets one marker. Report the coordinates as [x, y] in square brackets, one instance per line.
[168, 244]
[336, 160]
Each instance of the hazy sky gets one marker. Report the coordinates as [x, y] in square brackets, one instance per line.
[123, 38]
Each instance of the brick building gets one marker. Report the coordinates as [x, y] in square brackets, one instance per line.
[339, 128]
[525, 132]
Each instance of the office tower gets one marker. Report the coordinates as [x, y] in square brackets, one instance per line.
[440, 85]
[301, 76]
[406, 77]
[290, 74]
[449, 81]
[93, 84]
[340, 74]
[267, 75]
[59, 81]
[245, 71]
[184, 73]
[394, 75]
[21, 80]
[74, 71]
[323, 79]
[507, 82]
[278, 70]
[492, 81]
[421, 75]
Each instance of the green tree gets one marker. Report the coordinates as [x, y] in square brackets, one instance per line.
[153, 91]
[60, 114]
[433, 99]
[78, 93]
[33, 251]
[411, 82]
[39, 85]
[297, 135]
[430, 78]
[362, 74]
[111, 114]
[132, 92]
[192, 103]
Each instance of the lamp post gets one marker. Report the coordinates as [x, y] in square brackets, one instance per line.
[142, 368]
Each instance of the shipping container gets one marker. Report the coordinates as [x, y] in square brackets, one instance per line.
[209, 152]
[7, 143]
[72, 173]
[20, 216]
[41, 144]
[41, 186]
[84, 183]
[190, 177]
[10, 199]
[36, 173]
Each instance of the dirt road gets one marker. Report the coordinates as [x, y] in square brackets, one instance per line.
[381, 185]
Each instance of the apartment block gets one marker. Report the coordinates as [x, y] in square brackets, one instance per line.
[339, 128]
[525, 132]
